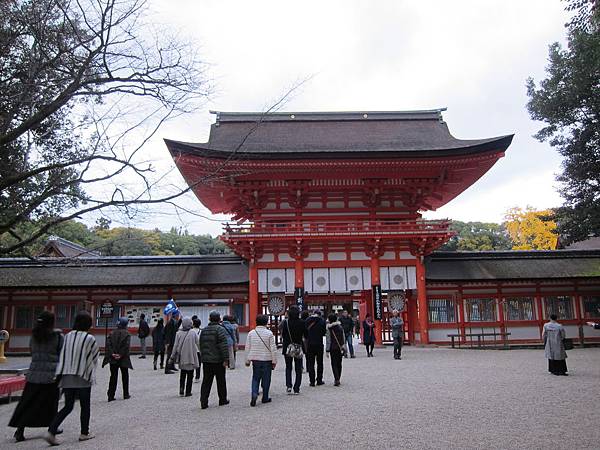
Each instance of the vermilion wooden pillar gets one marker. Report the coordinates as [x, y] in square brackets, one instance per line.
[376, 281]
[422, 301]
[253, 301]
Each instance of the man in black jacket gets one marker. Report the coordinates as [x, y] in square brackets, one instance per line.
[315, 330]
[170, 332]
[215, 359]
[348, 326]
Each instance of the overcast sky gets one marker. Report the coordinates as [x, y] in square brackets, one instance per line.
[472, 57]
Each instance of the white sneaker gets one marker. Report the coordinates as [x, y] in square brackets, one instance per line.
[86, 437]
[51, 439]
[289, 391]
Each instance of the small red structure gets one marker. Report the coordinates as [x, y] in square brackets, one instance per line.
[327, 206]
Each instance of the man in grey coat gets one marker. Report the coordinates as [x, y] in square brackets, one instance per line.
[554, 347]
[397, 325]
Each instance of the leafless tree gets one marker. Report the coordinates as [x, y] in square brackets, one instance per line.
[84, 85]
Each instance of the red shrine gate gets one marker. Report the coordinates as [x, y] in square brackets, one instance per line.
[328, 205]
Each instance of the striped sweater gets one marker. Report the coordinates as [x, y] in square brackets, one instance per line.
[79, 356]
[260, 345]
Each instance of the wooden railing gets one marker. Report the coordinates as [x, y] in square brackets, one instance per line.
[362, 227]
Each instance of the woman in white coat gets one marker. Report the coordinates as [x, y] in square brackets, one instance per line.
[554, 347]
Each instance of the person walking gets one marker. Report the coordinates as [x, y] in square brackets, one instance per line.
[185, 355]
[231, 340]
[315, 330]
[143, 333]
[261, 351]
[348, 326]
[335, 346]
[196, 322]
[117, 356]
[170, 331]
[77, 371]
[554, 347]
[39, 401]
[369, 334]
[215, 359]
[397, 325]
[158, 342]
[293, 331]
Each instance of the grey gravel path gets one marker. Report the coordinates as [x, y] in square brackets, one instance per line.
[432, 399]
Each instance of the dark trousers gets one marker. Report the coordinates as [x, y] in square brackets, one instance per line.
[112, 384]
[169, 365]
[297, 363]
[84, 395]
[210, 371]
[261, 373]
[185, 381]
[162, 357]
[336, 364]
[199, 367]
[370, 348]
[315, 352]
[398, 346]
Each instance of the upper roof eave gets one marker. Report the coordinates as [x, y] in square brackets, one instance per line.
[468, 147]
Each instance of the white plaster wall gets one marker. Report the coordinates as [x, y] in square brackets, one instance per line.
[267, 257]
[531, 332]
[406, 255]
[285, 257]
[336, 256]
[314, 257]
[388, 255]
[411, 277]
[572, 331]
[441, 334]
[359, 256]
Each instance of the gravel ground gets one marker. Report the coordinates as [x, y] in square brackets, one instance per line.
[433, 398]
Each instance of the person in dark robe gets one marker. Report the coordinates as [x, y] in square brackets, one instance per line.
[39, 403]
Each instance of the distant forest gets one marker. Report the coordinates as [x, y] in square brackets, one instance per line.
[523, 230]
[121, 241]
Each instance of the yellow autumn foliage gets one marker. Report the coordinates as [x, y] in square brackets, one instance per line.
[530, 229]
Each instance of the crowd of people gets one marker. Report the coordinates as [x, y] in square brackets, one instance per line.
[68, 363]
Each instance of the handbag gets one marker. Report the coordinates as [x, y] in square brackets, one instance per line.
[568, 343]
[293, 350]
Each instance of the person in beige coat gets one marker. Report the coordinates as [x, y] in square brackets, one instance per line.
[261, 351]
[185, 355]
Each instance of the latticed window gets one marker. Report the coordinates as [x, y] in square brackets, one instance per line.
[65, 315]
[441, 310]
[25, 316]
[481, 310]
[591, 306]
[520, 308]
[561, 305]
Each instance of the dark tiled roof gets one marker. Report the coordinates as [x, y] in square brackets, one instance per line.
[335, 135]
[513, 265]
[592, 243]
[123, 271]
[63, 248]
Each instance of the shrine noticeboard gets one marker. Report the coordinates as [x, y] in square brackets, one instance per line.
[299, 295]
[106, 310]
[377, 302]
